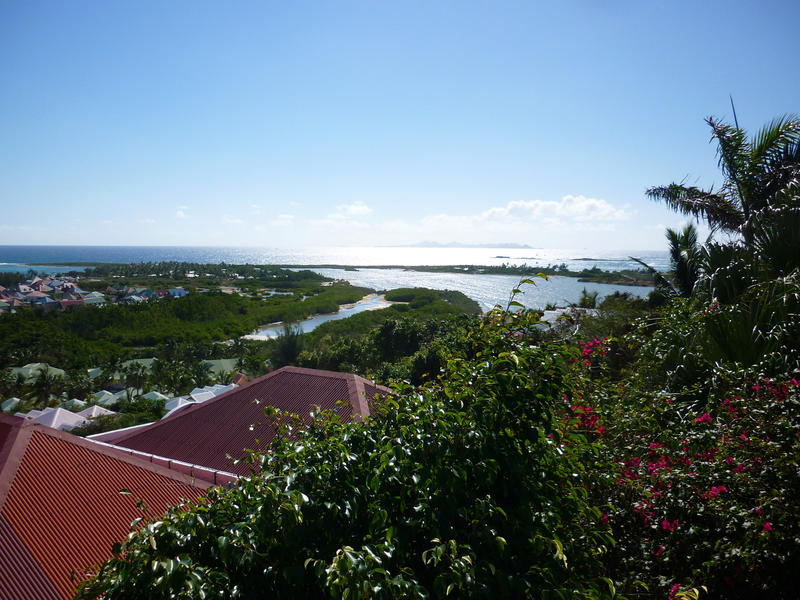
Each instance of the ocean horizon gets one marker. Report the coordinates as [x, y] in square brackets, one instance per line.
[31, 256]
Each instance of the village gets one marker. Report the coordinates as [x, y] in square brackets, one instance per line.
[62, 293]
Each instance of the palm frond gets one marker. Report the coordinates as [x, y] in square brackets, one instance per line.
[774, 137]
[733, 151]
[714, 208]
[685, 258]
[662, 283]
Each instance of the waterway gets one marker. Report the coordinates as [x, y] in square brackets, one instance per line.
[371, 302]
[487, 290]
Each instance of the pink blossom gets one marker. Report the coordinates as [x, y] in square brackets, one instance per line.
[767, 526]
[673, 591]
[715, 491]
[704, 418]
[667, 526]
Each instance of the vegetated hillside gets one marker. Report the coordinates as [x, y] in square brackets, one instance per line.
[659, 461]
[84, 336]
[409, 341]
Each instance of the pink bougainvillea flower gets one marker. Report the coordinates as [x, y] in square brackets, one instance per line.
[704, 418]
[673, 591]
[767, 526]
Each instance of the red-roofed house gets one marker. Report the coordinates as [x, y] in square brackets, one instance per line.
[61, 509]
[206, 433]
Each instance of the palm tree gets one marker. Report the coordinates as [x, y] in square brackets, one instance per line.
[200, 373]
[685, 256]
[47, 384]
[288, 345]
[760, 173]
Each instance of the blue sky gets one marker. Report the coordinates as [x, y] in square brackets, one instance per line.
[348, 123]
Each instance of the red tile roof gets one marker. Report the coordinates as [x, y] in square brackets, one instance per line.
[61, 509]
[207, 433]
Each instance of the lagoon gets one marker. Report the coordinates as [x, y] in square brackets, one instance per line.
[487, 290]
[371, 302]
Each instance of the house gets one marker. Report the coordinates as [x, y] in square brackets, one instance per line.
[93, 412]
[74, 404]
[62, 509]
[95, 298]
[105, 398]
[32, 370]
[57, 418]
[155, 396]
[10, 405]
[66, 304]
[197, 395]
[178, 292]
[218, 366]
[211, 432]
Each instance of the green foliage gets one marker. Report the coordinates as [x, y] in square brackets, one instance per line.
[588, 299]
[471, 486]
[88, 335]
[9, 279]
[287, 346]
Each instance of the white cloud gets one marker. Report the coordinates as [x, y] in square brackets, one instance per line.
[147, 221]
[343, 219]
[356, 208]
[572, 221]
[569, 208]
[180, 213]
[521, 217]
[282, 220]
[232, 221]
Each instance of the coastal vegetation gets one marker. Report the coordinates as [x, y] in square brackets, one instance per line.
[167, 344]
[638, 277]
[649, 451]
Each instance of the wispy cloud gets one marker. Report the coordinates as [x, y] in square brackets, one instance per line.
[283, 220]
[571, 219]
[232, 221]
[521, 216]
[180, 213]
[356, 208]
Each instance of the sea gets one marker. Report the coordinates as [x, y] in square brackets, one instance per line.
[487, 290]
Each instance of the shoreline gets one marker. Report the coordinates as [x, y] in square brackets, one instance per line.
[367, 298]
[633, 277]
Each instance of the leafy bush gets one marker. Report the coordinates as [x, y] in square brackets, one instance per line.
[472, 486]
